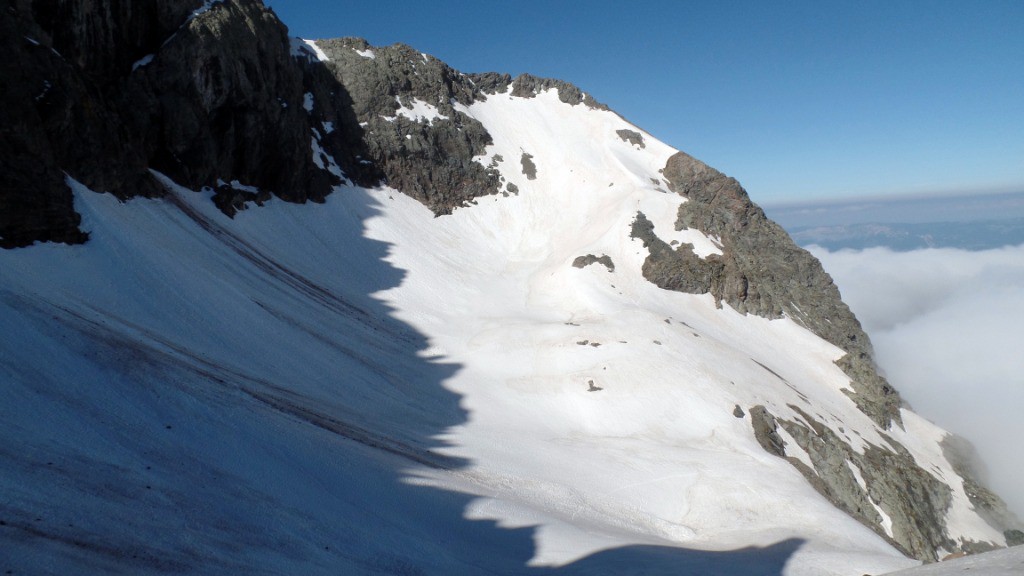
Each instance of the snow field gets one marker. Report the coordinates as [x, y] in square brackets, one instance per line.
[656, 452]
[587, 409]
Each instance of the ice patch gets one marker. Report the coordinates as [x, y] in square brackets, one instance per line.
[145, 60]
[420, 111]
[325, 161]
[328, 127]
[367, 54]
[207, 5]
[303, 48]
[307, 102]
[235, 184]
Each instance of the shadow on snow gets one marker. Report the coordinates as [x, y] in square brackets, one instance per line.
[195, 400]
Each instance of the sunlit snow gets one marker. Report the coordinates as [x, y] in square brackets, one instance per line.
[419, 111]
[308, 49]
[452, 388]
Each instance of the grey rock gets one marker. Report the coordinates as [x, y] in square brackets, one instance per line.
[104, 39]
[633, 137]
[490, 83]
[527, 86]
[584, 261]
[914, 499]
[738, 412]
[529, 168]
[766, 431]
[431, 161]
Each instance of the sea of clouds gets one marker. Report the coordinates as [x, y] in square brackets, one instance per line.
[948, 331]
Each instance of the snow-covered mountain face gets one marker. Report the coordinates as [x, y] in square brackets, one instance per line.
[517, 335]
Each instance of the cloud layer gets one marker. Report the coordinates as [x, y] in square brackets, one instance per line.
[947, 329]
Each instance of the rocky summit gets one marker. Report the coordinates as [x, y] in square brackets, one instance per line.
[276, 305]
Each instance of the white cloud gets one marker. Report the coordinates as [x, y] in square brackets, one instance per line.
[947, 329]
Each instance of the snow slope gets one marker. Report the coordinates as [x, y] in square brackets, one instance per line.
[1009, 562]
[358, 387]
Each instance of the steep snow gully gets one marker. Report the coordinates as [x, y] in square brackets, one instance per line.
[467, 373]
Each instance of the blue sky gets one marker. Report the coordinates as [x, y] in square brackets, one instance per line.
[797, 100]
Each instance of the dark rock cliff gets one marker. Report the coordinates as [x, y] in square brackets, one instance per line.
[205, 92]
[215, 92]
[428, 158]
[222, 99]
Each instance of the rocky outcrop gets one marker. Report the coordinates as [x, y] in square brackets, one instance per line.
[60, 112]
[603, 259]
[632, 136]
[529, 168]
[206, 92]
[404, 101]
[405, 108]
[761, 271]
[223, 100]
[214, 92]
[867, 484]
[527, 86]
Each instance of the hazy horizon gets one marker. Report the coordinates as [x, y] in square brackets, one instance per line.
[903, 209]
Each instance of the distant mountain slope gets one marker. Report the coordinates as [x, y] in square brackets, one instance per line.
[512, 333]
